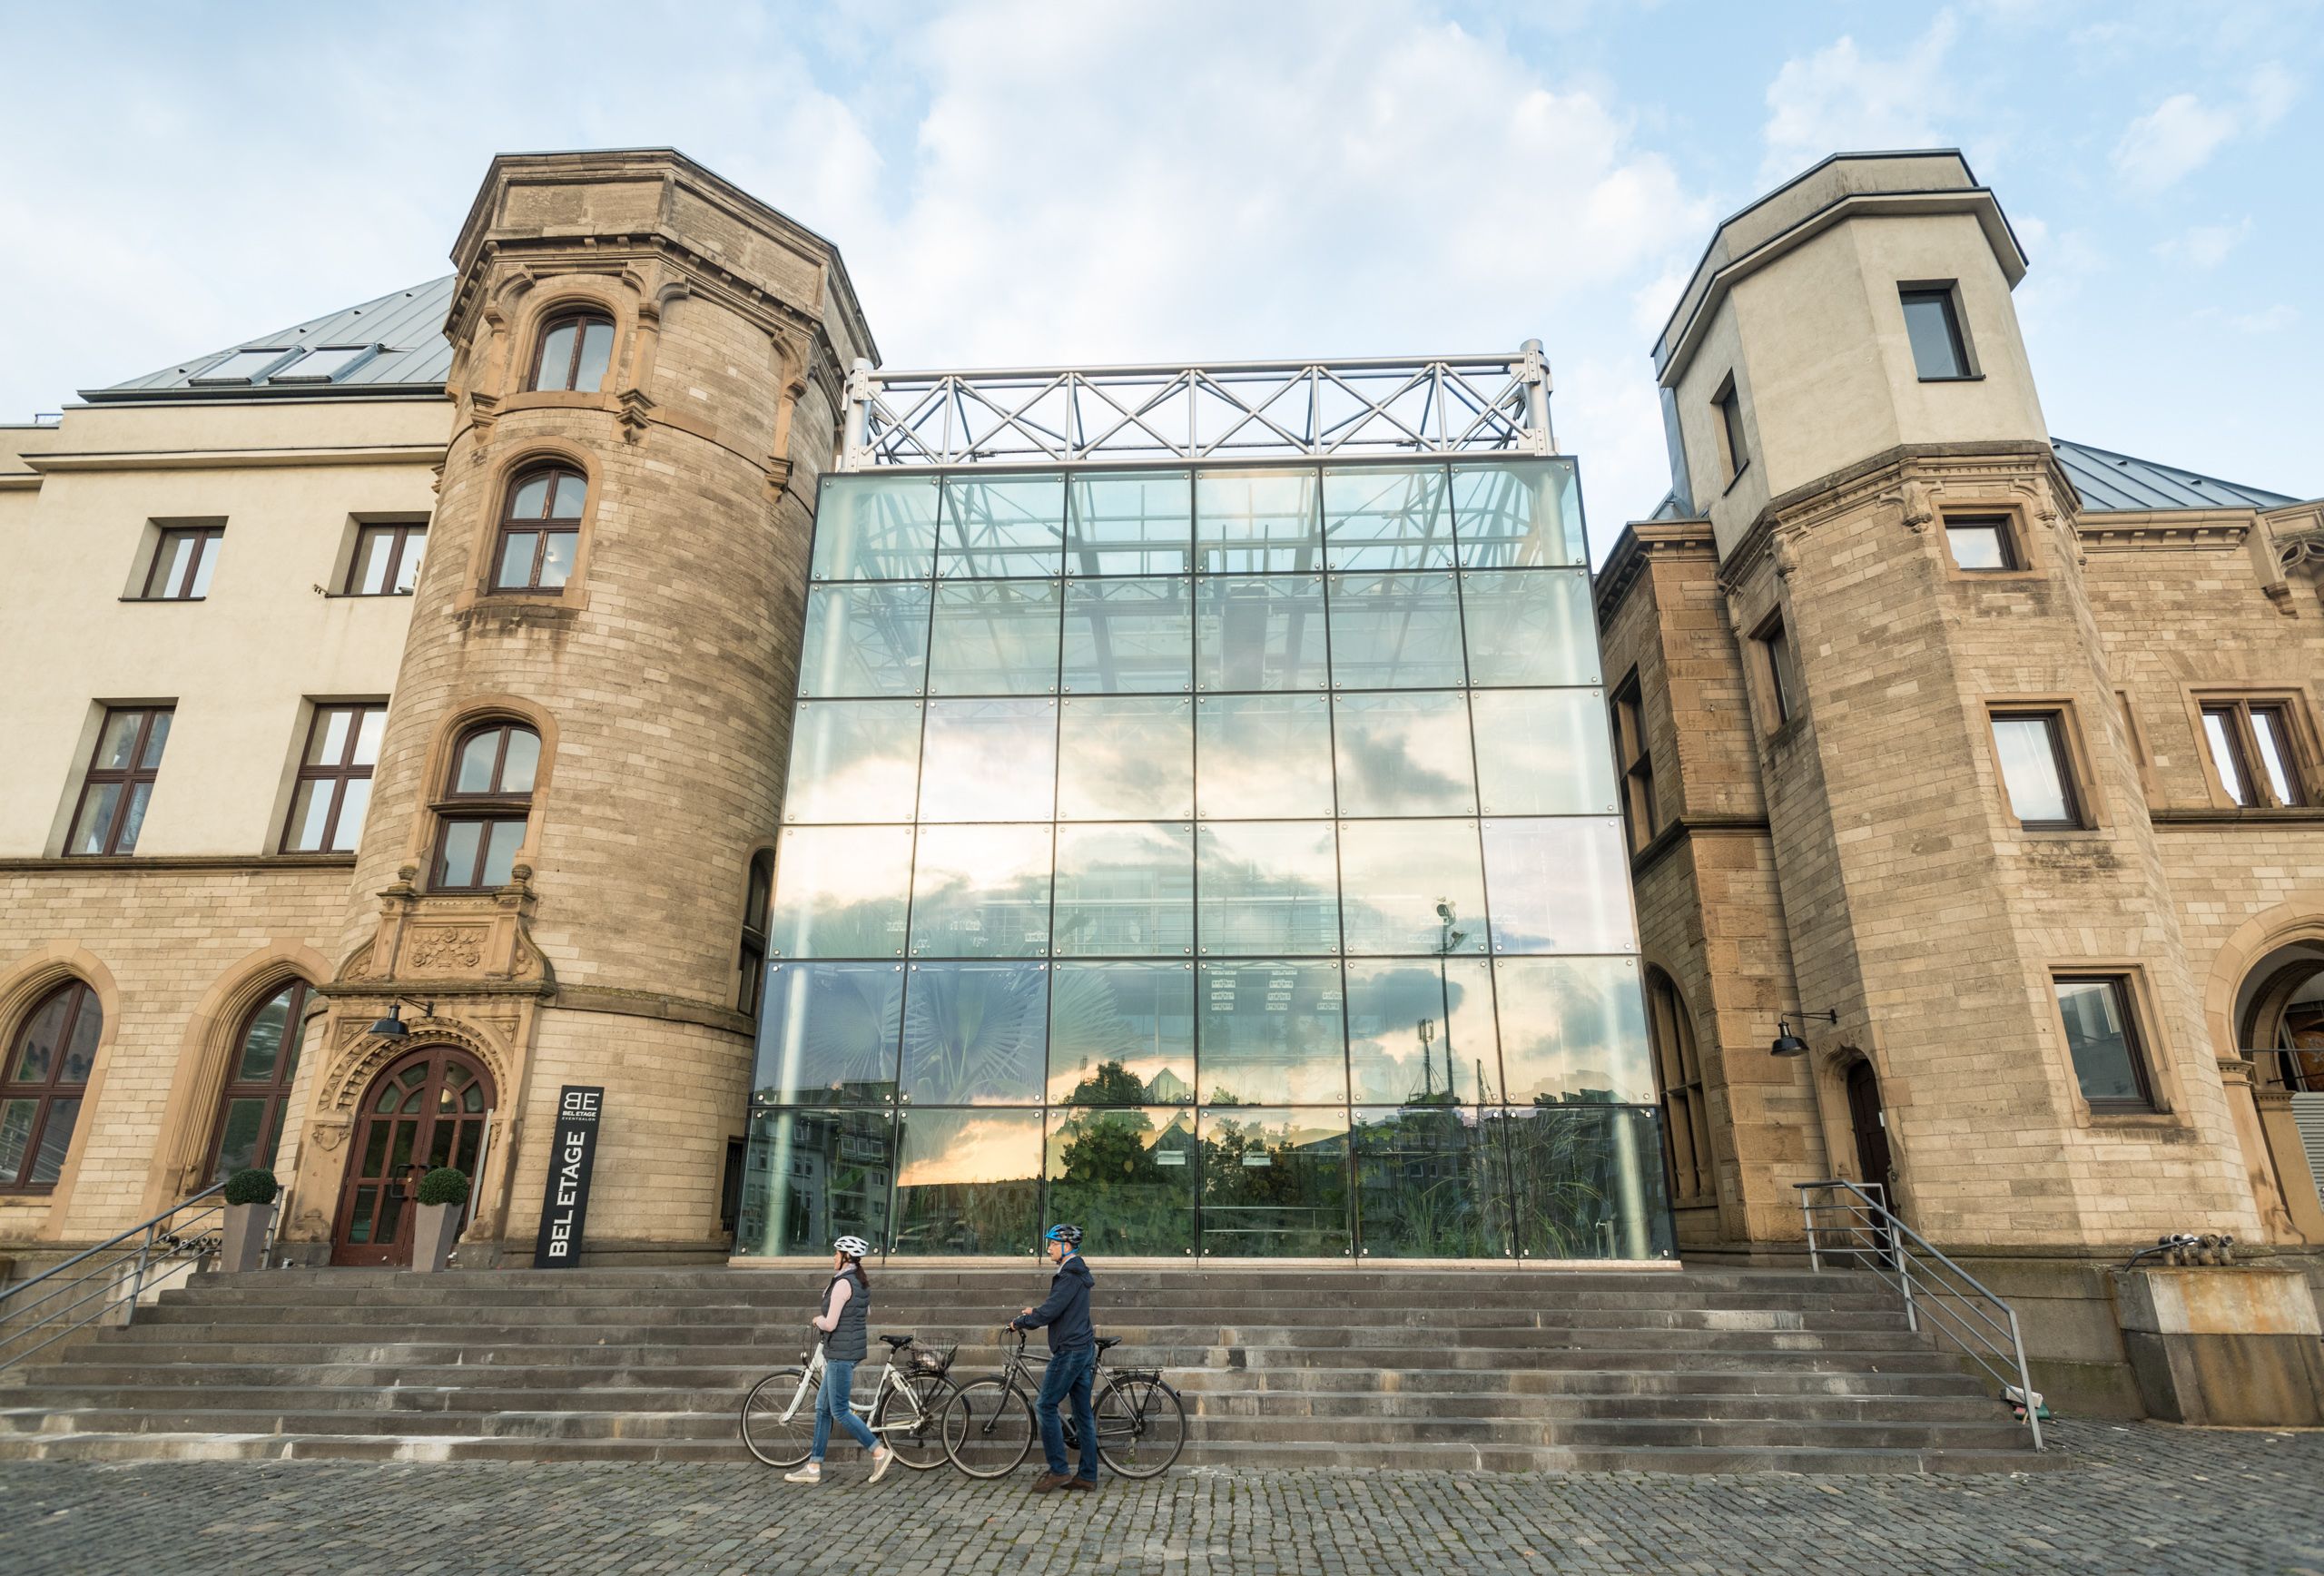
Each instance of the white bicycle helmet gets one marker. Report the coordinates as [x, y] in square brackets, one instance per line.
[854, 1247]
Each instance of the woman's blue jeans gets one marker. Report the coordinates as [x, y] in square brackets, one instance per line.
[831, 1402]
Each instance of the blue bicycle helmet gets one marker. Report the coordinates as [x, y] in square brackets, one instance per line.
[1069, 1234]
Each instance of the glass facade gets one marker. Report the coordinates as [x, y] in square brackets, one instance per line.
[1225, 860]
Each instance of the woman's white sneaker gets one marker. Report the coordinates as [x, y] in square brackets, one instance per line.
[812, 1473]
[881, 1460]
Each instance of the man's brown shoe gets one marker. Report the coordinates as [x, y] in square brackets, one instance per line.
[1051, 1480]
[1080, 1483]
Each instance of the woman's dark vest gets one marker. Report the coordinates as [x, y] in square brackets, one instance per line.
[846, 1343]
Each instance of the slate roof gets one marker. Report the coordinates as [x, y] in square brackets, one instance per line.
[2113, 483]
[406, 325]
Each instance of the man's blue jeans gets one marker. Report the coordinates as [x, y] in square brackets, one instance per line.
[1069, 1373]
[830, 1404]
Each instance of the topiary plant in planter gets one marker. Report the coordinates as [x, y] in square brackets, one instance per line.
[441, 1193]
[444, 1184]
[253, 1186]
[249, 1198]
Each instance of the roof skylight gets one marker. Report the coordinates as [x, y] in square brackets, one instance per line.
[242, 366]
[322, 364]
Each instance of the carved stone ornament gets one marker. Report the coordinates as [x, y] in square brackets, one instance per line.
[2301, 547]
[1914, 502]
[359, 963]
[451, 947]
[328, 1136]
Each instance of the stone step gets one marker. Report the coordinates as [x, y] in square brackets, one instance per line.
[1430, 1281]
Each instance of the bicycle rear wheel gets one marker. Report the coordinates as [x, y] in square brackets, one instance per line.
[1141, 1426]
[779, 1418]
[911, 1422]
[987, 1428]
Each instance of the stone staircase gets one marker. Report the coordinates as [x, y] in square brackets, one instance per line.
[1459, 1370]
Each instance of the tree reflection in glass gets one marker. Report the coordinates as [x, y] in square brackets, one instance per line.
[1121, 1034]
[1263, 755]
[1587, 1184]
[1267, 886]
[1126, 889]
[853, 761]
[1420, 1031]
[1126, 758]
[981, 891]
[1427, 1185]
[1573, 1030]
[1275, 1184]
[975, 1034]
[968, 1182]
[828, 1034]
[1270, 1033]
[1126, 1175]
[841, 891]
[1404, 754]
[809, 1176]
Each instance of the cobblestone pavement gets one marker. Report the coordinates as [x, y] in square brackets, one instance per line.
[2146, 1498]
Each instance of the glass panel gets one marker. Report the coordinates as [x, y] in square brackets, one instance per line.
[1128, 637]
[1558, 885]
[1126, 889]
[374, 552]
[988, 761]
[1427, 1185]
[205, 564]
[516, 552]
[1133, 523]
[1420, 1031]
[478, 756]
[177, 551]
[1011, 525]
[1588, 1182]
[55, 1142]
[556, 559]
[2029, 768]
[240, 1132]
[1122, 1034]
[2099, 1041]
[2219, 731]
[522, 762]
[1412, 886]
[1270, 1033]
[1518, 513]
[842, 891]
[1268, 886]
[81, 1051]
[359, 1223]
[37, 1043]
[16, 1135]
[981, 891]
[810, 1175]
[1529, 628]
[1977, 546]
[391, 1220]
[876, 528]
[156, 736]
[556, 356]
[1256, 634]
[500, 852]
[329, 747]
[1263, 755]
[1572, 1030]
[1395, 632]
[532, 497]
[1127, 757]
[1127, 1177]
[865, 640]
[262, 1041]
[96, 818]
[597, 354]
[373, 724]
[572, 495]
[113, 753]
[975, 1034]
[1275, 1184]
[352, 805]
[415, 550]
[1248, 521]
[828, 1034]
[2275, 755]
[1404, 754]
[1550, 754]
[968, 1182]
[133, 819]
[1928, 324]
[995, 637]
[853, 761]
[1387, 517]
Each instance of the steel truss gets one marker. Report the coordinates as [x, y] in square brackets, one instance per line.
[1414, 405]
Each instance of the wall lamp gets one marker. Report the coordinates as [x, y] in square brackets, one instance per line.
[1788, 1043]
[391, 1026]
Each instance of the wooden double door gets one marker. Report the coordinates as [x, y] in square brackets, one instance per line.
[428, 1109]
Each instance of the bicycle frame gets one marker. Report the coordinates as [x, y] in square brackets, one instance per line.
[888, 1380]
[1102, 1378]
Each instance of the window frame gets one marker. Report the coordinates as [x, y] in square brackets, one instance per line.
[1679, 1073]
[580, 316]
[47, 1093]
[758, 914]
[205, 554]
[2003, 524]
[277, 1092]
[2058, 723]
[1734, 446]
[1779, 674]
[130, 778]
[404, 533]
[541, 529]
[1946, 292]
[2124, 984]
[2242, 740]
[493, 806]
[338, 775]
[1634, 759]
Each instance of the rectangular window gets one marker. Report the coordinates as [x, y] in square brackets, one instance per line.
[321, 364]
[2102, 1035]
[1933, 322]
[2251, 750]
[334, 779]
[1981, 542]
[2032, 749]
[241, 367]
[120, 781]
[1637, 763]
[386, 560]
[183, 563]
[1733, 449]
[1783, 679]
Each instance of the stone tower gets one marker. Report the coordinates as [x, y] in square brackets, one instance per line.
[1845, 387]
[633, 321]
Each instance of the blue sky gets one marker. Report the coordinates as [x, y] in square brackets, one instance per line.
[1072, 183]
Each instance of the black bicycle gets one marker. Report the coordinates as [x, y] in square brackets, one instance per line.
[989, 1427]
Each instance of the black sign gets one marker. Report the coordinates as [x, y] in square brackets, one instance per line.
[565, 1204]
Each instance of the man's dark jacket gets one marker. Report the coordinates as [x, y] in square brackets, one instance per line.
[1066, 1312]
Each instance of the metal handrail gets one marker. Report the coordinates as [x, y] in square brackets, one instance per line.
[1953, 1303]
[113, 1274]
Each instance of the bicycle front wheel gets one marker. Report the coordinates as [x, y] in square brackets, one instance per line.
[987, 1429]
[779, 1417]
[1141, 1427]
[911, 1420]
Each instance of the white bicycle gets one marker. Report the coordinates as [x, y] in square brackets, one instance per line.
[906, 1412]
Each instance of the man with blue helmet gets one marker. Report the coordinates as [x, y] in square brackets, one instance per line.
[1073, 1360]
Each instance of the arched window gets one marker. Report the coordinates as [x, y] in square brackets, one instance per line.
[258, 1084]
[577, 347]
[40, 1098]
[538, 529]
[755, 898]
[1687, 1115]
[486, 801]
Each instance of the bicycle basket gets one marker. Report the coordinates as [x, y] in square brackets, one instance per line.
[939, 1363]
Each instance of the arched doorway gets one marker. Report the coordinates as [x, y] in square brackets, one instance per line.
[426, 1110]
[2280, 1018]
[1876, 1162]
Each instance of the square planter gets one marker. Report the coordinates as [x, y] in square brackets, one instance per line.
[433, 1229]
[244, 1248]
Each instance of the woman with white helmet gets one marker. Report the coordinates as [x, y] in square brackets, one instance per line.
[847, 1305]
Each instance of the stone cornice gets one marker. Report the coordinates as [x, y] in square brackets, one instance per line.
[1688, 827]
[173, 863]
[1642, 539]
[2179, 529]
[2213, 817]
[236, 458]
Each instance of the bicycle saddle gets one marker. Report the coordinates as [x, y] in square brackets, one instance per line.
[898, 1342]
[1106, 1341]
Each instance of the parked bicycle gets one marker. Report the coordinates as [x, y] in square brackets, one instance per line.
[989, 1426]
[906, 1410]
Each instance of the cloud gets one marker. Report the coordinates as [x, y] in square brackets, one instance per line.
[2204, 245]
[2180, 135]
[2272, 319]
[1841, 99]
